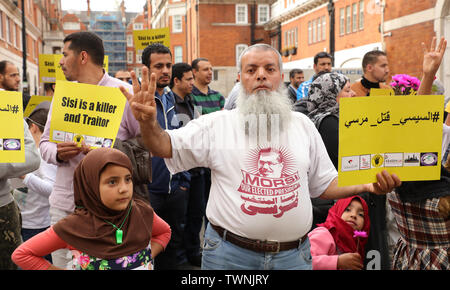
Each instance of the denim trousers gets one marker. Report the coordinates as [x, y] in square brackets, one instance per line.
[223, 255]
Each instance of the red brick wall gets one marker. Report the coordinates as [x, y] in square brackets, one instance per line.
[404, 49]
[398, 8]
[369, 34]
[218, 43]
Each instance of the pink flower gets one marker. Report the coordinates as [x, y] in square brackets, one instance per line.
[359, 234]
[84, 261]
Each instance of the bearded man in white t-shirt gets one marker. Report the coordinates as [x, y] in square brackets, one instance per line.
[257, 221]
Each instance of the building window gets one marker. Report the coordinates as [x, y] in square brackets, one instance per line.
[19, 38]
[239, 49]
[130, 40]
[2, 35]
[71, 26]
[314, 30]
[319, 29]
[138, 26]
[241, 14]
[130, 56]
[8, 30]
[263, 13]
[324, 28]
[341, 21]
[349, 19]
[355, 15]
[177, 24]
[14, 38]
[178, 54]
[286, 39]
[361, 14]
[296, 36]
[309, 32]
[138, 58]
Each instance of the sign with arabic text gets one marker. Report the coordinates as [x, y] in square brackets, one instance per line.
[11, 135]
[402, 135]
[89, 113]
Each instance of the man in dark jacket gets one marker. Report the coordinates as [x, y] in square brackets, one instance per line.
[168, 192]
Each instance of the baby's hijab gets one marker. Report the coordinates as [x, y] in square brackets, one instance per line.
[88, 229]
[343, 232]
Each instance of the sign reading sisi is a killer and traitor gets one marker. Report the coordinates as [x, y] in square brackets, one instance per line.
[89, 113]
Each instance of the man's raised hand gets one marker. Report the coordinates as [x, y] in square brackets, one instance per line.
[142, 102]
[432, 58]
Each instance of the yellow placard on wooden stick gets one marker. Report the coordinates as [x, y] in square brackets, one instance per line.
[89, 113]
[11, 131]
[143, 38]
[402, 135]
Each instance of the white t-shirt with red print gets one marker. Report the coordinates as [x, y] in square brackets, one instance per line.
[257, 191]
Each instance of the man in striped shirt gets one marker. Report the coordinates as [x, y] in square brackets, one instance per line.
[202, 95]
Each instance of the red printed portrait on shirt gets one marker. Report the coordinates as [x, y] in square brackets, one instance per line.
[270, 182]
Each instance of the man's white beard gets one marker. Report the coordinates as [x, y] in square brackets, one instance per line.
[266, 114]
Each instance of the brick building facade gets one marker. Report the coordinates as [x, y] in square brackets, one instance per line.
[301, 29]
[214, 29]
[43, 35]
[395, 26]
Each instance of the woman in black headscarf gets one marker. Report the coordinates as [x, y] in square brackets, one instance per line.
[324, 93]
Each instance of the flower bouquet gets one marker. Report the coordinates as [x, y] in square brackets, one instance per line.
[403, 84]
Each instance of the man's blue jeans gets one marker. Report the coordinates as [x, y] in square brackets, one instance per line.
[223, 255]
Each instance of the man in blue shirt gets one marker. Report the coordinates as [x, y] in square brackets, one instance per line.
[322, 62]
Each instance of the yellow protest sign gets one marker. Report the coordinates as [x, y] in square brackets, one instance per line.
[50, 70]
[47, 66]
[59, 75]
[86, 112]
[143, 38]
[106, 63]
[11, 135]
[402, 135]
[33, 102]
[381, 92]
[448, 107]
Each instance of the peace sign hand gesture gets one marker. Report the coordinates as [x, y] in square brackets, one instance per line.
[432, 58]
[142, 103]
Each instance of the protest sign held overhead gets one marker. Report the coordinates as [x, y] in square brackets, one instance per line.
[50, 71]
[11, 135]
[401, 134]
[86, 112]
[143, 38]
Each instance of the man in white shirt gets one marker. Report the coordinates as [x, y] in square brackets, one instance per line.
[256, 221]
